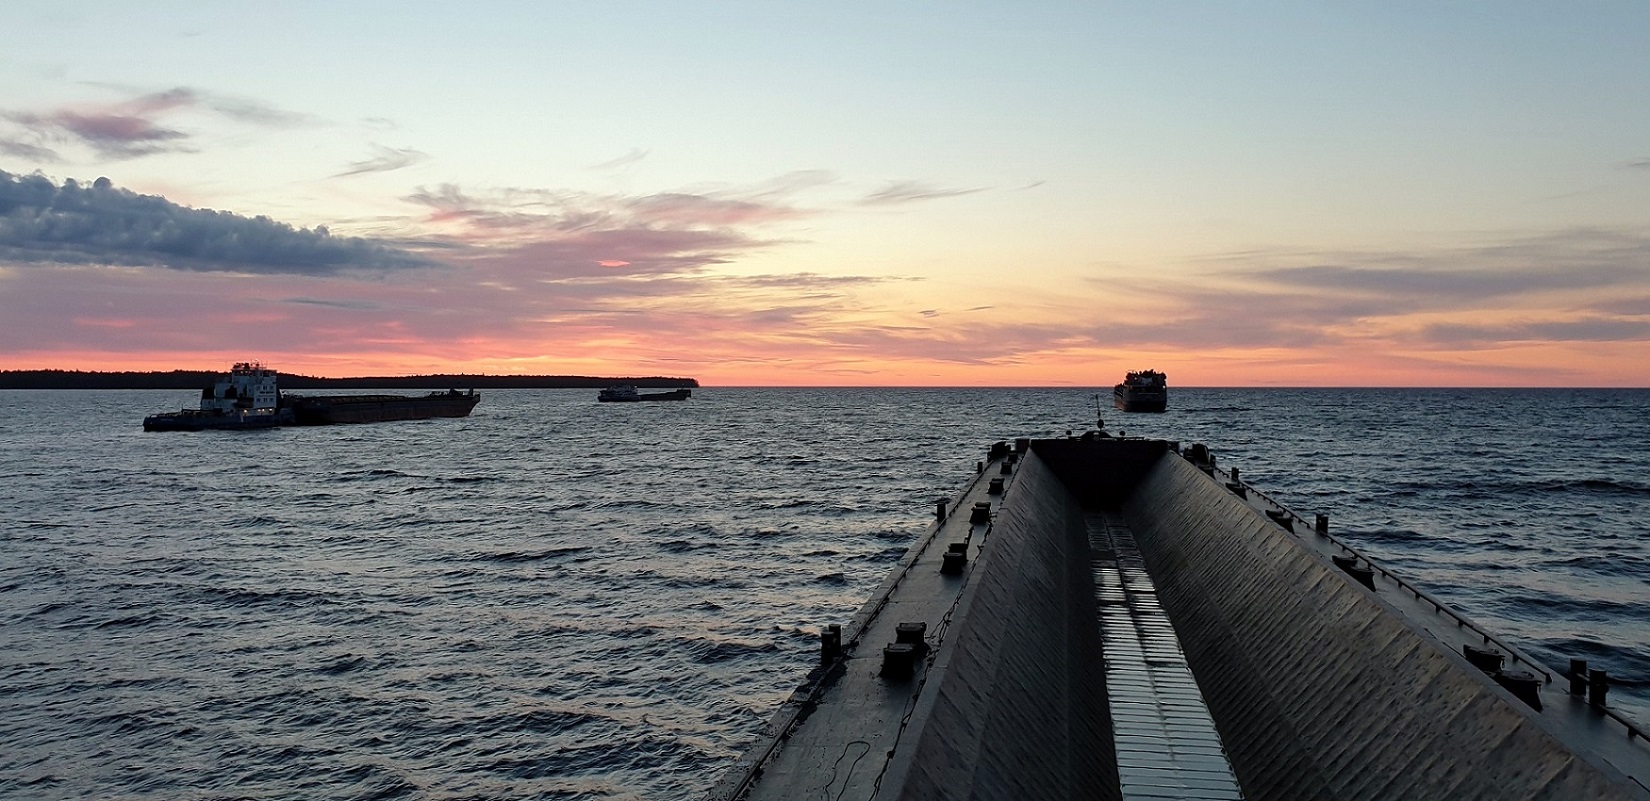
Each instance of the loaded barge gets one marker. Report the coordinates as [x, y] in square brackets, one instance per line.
[627, 393]
[248, 396]
[1108, 618]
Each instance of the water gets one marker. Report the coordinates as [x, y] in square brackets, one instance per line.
[556, 598]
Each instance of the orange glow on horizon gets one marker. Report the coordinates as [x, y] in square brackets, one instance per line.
[1535, 365]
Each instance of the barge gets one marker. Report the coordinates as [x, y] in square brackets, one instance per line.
[321, 410]
[1107, 618]
[249, 396]
[625, 393]
[1142, 391]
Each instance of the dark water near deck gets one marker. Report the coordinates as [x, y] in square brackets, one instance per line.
[556, 598]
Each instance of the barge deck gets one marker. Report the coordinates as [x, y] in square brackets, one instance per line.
[1113, 619]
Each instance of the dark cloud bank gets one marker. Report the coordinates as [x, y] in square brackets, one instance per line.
[97, 223]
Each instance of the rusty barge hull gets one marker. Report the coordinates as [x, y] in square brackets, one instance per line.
[318, 410]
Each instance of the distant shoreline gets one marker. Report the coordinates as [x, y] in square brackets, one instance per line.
[196, 379]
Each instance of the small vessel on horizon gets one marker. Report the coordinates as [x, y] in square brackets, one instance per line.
[249, 396]
[1142, 391]
[626, 393]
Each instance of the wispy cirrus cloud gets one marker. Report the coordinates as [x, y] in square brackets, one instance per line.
[630, 159]
[899, 192]
[1589, 329]
[384, 159]
[125, 129]
[44, 223]
[1584, 285]
[352, 305]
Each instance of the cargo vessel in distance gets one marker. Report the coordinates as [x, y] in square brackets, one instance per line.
[625, 393]
[1142, 391]
[249, 397]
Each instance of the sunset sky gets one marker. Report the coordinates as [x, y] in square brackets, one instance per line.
[783, 193]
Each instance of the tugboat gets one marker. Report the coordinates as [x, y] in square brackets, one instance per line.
[245, 398]
[1142, 391]
[625, 393]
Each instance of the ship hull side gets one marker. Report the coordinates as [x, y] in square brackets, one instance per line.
[196, 421]
[1131, 400]
[340, 409]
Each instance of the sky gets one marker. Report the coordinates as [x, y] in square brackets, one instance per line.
[779, 193]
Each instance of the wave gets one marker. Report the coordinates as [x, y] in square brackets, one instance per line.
[128, 622]
[532, 556]
[886, 555]
[1593, 486]
[711, 652]
[1625, 565]
[239, 597]
[1533, 603]
[345, 663]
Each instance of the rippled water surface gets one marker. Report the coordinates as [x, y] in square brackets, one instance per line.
[556, 598]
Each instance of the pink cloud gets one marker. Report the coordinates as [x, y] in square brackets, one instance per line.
[127, 128]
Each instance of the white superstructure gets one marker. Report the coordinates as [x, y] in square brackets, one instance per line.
[249, 387]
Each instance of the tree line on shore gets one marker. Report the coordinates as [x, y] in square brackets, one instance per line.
[196, 379]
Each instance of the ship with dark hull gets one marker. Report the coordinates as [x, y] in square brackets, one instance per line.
[249, 397]
[323, 410]
[1142, 391]
[625, 393]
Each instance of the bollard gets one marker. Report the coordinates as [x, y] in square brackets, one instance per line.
[1235, 478]
[995, 488]
[1363, 575]
[1522, 684]
[1578, 677]
[1598, 684]
[912, 634]
[898, 660]
[830, 644]
[939, 510]
[1486, 659]
[981, 513]
[1323, 524]
[1008, 467]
